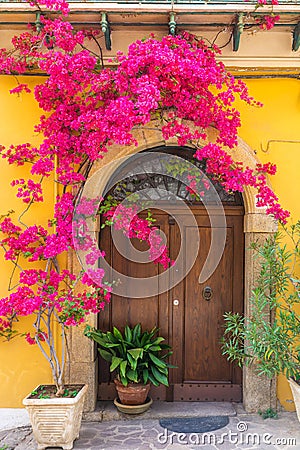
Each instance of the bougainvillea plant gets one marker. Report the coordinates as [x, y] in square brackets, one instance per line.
[266, 21]
[87, 109]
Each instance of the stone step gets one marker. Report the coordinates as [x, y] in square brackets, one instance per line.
[106, 411]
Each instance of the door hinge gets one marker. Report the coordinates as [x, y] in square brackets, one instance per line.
[171, 220]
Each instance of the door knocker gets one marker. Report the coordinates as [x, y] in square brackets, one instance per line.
[207, 293]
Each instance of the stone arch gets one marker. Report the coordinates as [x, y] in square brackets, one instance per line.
[258, 392]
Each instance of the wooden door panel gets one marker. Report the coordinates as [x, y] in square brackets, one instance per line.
[130, 310]
[149, 311]
[191, 324]
[203, 318]
[203, 374]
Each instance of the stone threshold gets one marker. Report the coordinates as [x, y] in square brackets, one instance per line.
[106, 411]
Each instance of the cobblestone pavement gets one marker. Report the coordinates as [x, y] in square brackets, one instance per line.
[244, 431]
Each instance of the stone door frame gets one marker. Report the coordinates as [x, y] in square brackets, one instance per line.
[259, 392]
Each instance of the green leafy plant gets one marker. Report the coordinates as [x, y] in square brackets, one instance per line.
[269, 413]
[44, 392]
[34, 392]
[270, 336]
[70, 393]
[40, 392]
[138, 357]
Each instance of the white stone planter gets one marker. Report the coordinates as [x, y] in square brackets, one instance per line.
[295, 388]
[56, 422]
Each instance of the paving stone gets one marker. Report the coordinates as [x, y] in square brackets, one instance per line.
[141, 434]
[87, 433]
[12, 438]
[134, 444]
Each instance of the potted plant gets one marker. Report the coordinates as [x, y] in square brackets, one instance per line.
[270, 337]
[138, 357]
[50, 298]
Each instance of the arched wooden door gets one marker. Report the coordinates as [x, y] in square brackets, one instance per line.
[189, 315]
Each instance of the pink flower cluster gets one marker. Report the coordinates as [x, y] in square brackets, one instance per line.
[60, 33]
[28, 191]
[20, 88]
[234, 177]
[268, 21]
[35, 242]
[40, 290]
[267, 2]
[19, 154]
[55, 5]
[40, 336]
[28, 243]
[125, 218]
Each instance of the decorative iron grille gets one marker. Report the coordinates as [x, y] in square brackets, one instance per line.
[143, 175]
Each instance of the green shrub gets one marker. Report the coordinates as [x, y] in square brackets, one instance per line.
[136, 356]
[270, 336]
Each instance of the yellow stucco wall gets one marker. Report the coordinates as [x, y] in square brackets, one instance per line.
[21, 366]
[279, 119]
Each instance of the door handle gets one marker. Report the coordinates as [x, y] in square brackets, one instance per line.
[207, 293]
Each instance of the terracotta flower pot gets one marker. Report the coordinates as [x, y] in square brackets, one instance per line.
[133, 393]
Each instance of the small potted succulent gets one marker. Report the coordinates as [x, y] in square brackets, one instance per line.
[270, 337]
[138, 357]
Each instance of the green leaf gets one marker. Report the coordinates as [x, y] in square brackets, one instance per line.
[145, 339]
[157, 361]
[165, 347]
[117, 334]
[115, 362]
[123, 380]
[98, 338]
[163, 370]
[155, 348]
[145, 376]
[136, 334]
[171, 366]
[153, 380]
[158, 340]
[153, 332]
[147, 346]
[132, 362]
[110, 345]
[111, 337]
[132, 375]
[123, 366]
[128, 334]
[162, 379]
[105, 355]
[136, 353]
